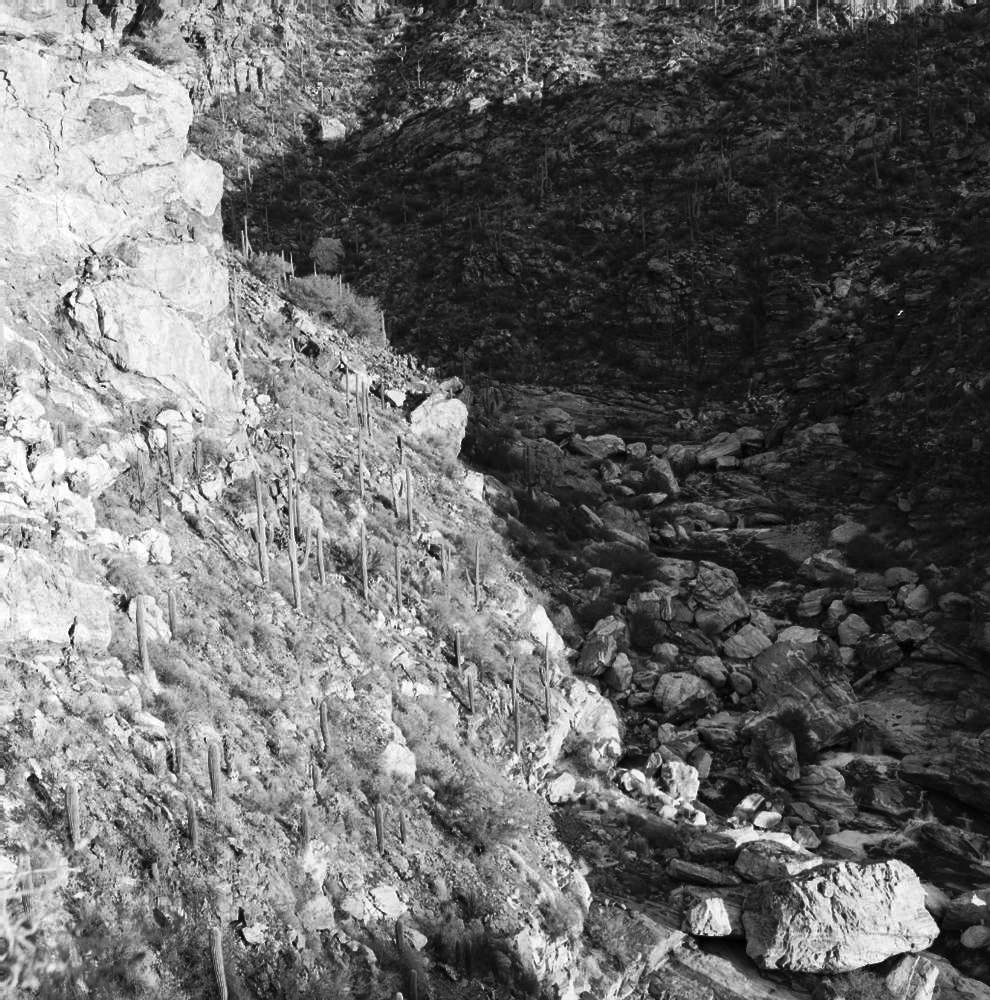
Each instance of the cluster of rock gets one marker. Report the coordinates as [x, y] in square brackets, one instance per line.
[796, 687]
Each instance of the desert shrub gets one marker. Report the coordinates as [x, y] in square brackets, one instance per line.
[161, 44]
[269, 267]
[869, 553]
[129, 576]
[358, 315]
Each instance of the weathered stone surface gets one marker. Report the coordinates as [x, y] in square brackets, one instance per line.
[838, 917]
[724, 445]
[805, 677]
[715, 591]
[824, 788]
[748, 642]
[680, 780]
[598, 446]
[40, 600]
[659, 476]
[681, 696]
[713, 916]
[914, 977]
[580, 712]
[601, 646]
[852, 629]
[766, 860]
[442, 421]
[959, 766]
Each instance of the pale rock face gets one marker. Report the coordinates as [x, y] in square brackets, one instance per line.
[601, 646]
[96, 162]
[837, 918]
[40, 600]
[579, 710]
[913, 978]
[441, 420]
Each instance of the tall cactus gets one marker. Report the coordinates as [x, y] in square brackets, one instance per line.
[325, 724]
[364, 562]
[293, 548]
[360, 464]
[192, 825]
[321, 565]
[380, 827]
[409, 500]
[72, 813]
[517, 733]
[262, 531]
[173, 613]
[142, 635]
[216, 958]
[216, 781]
[304, 831]
[398, 578]
[477, 575]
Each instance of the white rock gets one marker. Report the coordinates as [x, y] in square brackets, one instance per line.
[398, 762]
[838, 917]
[914, 977]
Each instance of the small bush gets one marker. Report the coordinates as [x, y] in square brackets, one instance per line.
[358, 315]
[161, 44]
[269, 267]
[867, 552]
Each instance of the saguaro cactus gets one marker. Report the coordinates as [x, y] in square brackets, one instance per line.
[262, 532]
[173, 613]
[192, 825]
[360, 465]
[325, 724]
[409, 499]
[170, 453]
[364, 562]
[380, 827]
[293, 548]
[398, 577]
[477, 575]
[142, 635]
[304, 831]
[517, 734]
[216, 957]
[458, 649]
[216, 780]
[321, 566]
[72, 813]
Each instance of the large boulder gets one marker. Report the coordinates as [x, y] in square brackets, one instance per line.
[601, 646]
[683, 696]
[96, 180]
[836, 918]
[804, 679]
[442, 421]
[41, 601]
[715, 593]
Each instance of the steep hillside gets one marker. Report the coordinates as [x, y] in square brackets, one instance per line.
[666, 199]
[295, 703]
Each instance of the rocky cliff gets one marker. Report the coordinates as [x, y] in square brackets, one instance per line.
[286, 711]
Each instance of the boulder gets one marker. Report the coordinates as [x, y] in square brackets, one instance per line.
[659, 477]
[806, 678]
[442, 421]
[824, 788]
[748, 642]
[836, 918]
[682, 696]
[852, 629]
[601, 646]
[680, 780]
[724, 445]
[766, 860]
[598, 447]
[913, 977]
[715, 592]
[712, 915]
[41, 600]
